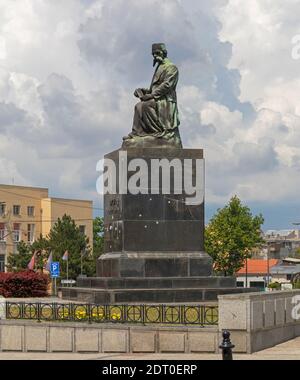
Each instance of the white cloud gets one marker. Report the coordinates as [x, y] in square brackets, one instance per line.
[68, 70]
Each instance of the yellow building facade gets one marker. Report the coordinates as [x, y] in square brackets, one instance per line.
[28, 212]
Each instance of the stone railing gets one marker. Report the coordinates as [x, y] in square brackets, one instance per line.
[259, 320]
[255, 320]
[63, 327]
[34, 336]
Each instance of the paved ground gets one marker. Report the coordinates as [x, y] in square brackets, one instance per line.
[285, 351]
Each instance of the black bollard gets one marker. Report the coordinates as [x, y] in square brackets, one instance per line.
[226, 346]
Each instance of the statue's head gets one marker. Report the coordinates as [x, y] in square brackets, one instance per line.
[159, 52]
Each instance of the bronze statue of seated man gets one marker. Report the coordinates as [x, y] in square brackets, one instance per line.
[156, 120]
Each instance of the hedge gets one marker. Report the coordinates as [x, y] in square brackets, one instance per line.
[24, 284]
[296, 284]
[274, 285]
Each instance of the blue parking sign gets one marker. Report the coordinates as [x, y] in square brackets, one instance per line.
[55, 270]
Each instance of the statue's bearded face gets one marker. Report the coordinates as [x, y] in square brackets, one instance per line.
[158, 56]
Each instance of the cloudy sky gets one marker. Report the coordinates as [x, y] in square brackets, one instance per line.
[68, 70]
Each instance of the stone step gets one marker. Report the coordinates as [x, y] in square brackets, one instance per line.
[164, 295]
[154, 264]
[156, 282]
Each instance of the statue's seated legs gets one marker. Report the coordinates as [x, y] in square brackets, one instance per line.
[145, 120]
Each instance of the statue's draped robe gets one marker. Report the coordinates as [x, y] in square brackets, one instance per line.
[158, 117]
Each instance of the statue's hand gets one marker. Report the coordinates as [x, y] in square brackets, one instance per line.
[138, 92]
[146, 97]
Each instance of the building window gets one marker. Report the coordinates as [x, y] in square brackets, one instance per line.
[2, 208]
[82, 230]
[17, 233]
[30, 233]
[30, 210]
[16, 209]
[2, 263]
[2, 232]
[257, 284]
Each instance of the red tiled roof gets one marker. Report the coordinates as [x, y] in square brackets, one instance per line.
[258, 266]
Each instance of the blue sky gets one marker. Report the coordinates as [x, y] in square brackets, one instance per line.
[68, 70]
[277, 216]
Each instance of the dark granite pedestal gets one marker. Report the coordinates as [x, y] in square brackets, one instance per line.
[151, 290]
[154, 241]
[154, 264]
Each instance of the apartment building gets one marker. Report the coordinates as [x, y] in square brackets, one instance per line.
[27, 212]
[281, 243]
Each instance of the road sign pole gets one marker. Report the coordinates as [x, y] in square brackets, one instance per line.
[55, 272]
[68, 270]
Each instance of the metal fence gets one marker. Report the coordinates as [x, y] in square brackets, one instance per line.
[200, 315]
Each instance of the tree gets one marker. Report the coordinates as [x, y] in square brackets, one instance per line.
[98, 236]
[42, 248]
[231, 235]
[20, 260]
[90, 260]
[66, 236]
[98, 246]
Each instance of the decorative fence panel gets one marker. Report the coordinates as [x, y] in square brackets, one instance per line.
[145, 314]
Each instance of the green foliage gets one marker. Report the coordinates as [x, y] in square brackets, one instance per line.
[98, 236]
[231, 235]
[42, 248]
[19, 261]
[296, 284]
[274, 285]
[98, 245]
[66, 236]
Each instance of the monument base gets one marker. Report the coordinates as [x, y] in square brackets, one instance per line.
[154, 240]
[154, 264]
[151, 290]
[152, 277]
